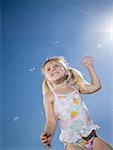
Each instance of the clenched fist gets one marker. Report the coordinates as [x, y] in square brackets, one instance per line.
[46, 138]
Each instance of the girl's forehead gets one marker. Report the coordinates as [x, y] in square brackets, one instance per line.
[48, 64]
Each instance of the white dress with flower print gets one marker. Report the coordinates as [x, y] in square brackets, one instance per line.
[73, 117]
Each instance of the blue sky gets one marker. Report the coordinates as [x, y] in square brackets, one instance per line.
[33, 30]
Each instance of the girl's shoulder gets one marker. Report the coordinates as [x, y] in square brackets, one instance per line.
[49, 96]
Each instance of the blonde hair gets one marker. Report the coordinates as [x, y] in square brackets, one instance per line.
[75, 77]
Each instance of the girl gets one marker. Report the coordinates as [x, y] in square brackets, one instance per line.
[62, 101]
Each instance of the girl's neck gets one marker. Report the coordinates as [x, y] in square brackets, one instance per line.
[61, 83]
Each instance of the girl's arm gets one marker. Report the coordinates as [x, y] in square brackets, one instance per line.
[50, 125]
[95, 84]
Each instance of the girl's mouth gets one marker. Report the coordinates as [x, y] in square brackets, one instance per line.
[54, 72]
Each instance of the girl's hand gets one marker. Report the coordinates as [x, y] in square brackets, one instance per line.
[87, 61]
[46, 138]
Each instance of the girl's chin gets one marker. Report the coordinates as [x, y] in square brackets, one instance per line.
[60, 79]
[55, 79]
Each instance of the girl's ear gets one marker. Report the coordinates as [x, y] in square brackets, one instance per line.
[70, 80]
[69, 75]
[72, 77]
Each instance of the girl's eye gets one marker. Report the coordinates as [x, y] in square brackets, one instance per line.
[56, 65]
[48, 69]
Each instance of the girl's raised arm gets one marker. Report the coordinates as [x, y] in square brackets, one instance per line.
[95, 84]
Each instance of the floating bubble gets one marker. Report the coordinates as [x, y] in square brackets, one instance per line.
[42, 113]
[56, 42]
[27, 103]
[32, 69]
[104, 94]
[16, 118]
[99, 45]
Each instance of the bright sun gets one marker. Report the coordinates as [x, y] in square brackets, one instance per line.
[107, 29]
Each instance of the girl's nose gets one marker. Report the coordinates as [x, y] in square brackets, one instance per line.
[52, 70]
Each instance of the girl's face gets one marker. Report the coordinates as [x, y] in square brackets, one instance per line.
[54, 71]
